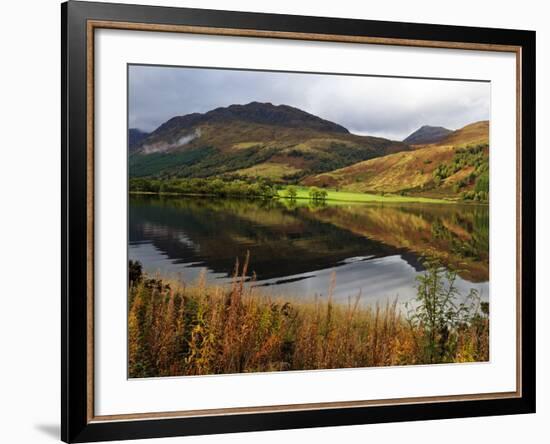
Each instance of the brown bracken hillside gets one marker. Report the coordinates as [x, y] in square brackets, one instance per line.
[417, 172]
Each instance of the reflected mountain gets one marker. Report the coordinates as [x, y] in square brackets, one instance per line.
[373, 248]
[457, 234]
[213, 233]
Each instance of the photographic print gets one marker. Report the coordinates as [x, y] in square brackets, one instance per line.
[283, 221]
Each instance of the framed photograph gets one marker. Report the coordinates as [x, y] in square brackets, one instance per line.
[275, 221]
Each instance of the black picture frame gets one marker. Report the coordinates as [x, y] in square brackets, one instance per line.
[76, 424]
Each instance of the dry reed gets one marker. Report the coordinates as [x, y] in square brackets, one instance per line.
[177, 329]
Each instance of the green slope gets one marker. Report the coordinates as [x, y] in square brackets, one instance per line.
[256, 140]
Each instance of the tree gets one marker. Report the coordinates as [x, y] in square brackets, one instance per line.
[314, 193]
[482, 182]
[291, 192]
[267, 191]
[217, 186]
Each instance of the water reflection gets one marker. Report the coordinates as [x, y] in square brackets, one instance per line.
[295, 249]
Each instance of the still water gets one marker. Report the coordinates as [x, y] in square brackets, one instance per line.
[374, 250]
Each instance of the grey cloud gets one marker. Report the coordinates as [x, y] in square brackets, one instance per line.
[386, 107]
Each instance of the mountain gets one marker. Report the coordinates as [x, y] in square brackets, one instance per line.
[470, 134]
[135, 136]
[255, 140]
[447, 168]
[427, 134]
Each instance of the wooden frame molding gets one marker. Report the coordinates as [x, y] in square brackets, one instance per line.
[92, 26]
[334, 38]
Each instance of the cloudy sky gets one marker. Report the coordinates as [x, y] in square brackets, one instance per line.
[386, 107]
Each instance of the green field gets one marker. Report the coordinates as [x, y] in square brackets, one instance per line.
[345, 196]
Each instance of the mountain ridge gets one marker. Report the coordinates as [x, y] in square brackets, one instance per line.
[253, 112]
[427, 134]
[253, 140]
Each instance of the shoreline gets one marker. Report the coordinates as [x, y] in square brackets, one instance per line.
[368, 198]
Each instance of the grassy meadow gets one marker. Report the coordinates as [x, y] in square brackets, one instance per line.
[178, 328]
[335, 196]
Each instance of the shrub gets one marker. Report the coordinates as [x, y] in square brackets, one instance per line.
[437, 316]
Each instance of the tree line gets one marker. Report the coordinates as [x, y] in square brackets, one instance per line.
[471, 156]
[222, 188]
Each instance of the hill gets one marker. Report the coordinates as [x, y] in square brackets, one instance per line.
[427, 134]
[470, 134]
[283, 143]
[457, 165]
[135, 136]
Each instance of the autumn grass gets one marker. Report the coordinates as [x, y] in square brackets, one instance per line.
[198, 329]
